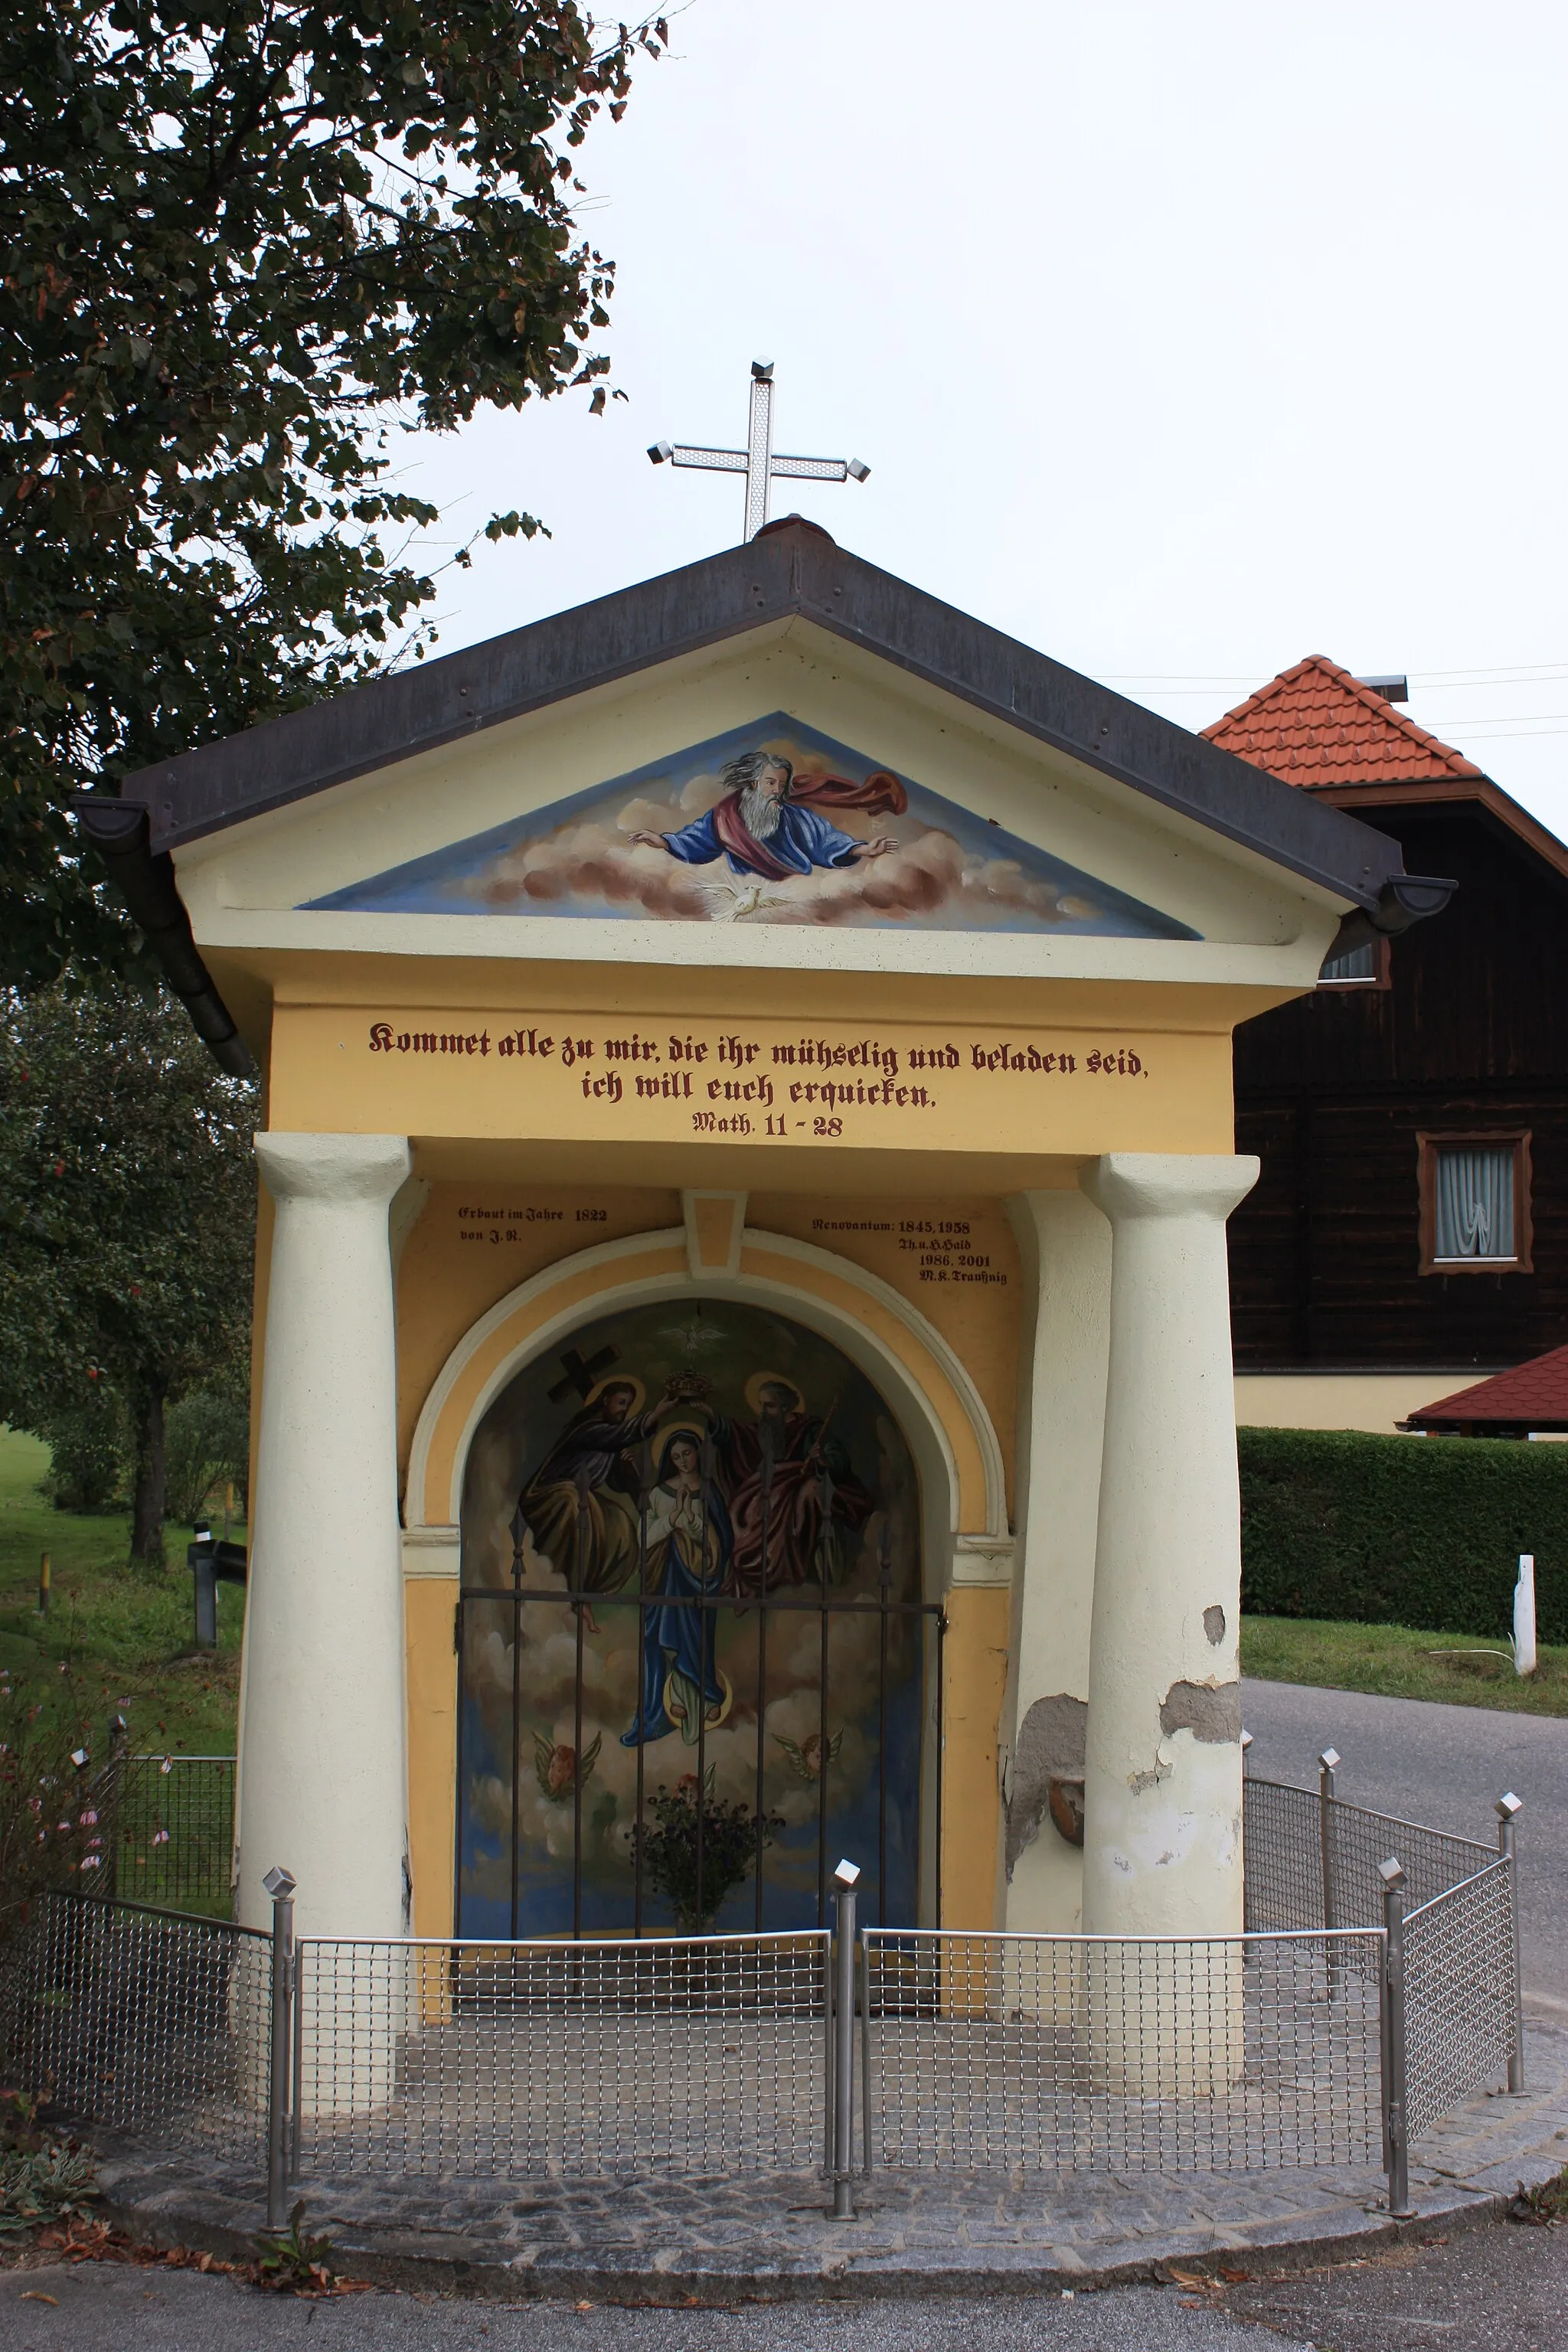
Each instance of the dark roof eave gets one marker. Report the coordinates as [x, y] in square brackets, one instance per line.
[1498, 809]
[795, 571]
[119, 830]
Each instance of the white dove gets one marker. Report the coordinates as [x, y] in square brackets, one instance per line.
[726, 904]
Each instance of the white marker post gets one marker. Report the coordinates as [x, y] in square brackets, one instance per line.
[1524, 1616]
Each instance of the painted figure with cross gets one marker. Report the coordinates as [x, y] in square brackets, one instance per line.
[582, 1505]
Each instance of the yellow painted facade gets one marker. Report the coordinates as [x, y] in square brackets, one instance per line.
[976, 1674]
[570, 1088]
[805, 1086]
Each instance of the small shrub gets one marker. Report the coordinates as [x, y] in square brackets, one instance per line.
[292, 2264]
[206, 1439]
[668, 1851]
[43, 2180]
[51, 1832]
[90, 1456]
[1545, 2205]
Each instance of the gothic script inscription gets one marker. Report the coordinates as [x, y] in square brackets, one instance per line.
[759, 1081]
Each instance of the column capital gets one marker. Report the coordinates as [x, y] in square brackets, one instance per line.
[1176, 1184]
[333, 1168]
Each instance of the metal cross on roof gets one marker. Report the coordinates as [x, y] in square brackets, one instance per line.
[757, 461]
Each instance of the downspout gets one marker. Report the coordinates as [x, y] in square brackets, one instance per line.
[121, 833]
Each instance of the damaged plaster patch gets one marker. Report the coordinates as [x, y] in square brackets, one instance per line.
[1210, 1712]
[1214, 1623]
[1052, 1740]
[1139, 1781]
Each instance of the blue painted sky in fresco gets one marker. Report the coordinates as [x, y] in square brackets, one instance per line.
[952, 871]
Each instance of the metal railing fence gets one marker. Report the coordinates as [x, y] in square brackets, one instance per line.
[169, 1825]
[1283, 1878]
[1460, 1995]
[1309, 2039]
[1097, 2053]
[1313, 1861]
[144, 2021]
[679, 2054]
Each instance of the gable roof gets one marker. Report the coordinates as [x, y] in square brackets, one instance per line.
[1530, 1396]
[1320, 728]
[1317, 725]
[792, 570]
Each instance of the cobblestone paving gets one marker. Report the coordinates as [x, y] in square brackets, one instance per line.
[915, 2234]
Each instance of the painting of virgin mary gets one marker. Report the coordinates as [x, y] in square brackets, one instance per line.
[690, 1545]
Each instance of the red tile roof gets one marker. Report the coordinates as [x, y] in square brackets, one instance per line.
[1530, 1396]
[1317, 725]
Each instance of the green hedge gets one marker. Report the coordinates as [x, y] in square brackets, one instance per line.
[1401, 1530]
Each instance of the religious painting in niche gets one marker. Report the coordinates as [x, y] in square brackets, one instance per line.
[771, 823]
[691, 1544]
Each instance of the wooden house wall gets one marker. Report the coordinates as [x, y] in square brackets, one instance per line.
[1332, 1090]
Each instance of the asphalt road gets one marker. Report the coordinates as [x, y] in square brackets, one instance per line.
[1497, 2289]
[1445, 1766]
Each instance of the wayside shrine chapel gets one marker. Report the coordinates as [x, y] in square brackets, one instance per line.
[741, 1309]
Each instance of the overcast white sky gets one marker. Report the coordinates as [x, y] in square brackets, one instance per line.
[1181, 340]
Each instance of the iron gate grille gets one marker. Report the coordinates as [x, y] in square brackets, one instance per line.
[828, 1606]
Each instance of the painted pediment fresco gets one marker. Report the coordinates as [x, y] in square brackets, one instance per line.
[771, 823]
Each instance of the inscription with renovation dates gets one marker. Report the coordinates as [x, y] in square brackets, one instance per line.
[941, 1248]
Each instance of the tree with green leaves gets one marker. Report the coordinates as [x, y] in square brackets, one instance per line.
[244, 243]
[127, 1221]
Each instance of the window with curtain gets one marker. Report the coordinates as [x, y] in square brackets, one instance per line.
[1473, 1201]
[1357, 963]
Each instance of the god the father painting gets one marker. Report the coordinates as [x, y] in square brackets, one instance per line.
[689, 1541]
[770, 823]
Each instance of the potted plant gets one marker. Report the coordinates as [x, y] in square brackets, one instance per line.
[730, 1836]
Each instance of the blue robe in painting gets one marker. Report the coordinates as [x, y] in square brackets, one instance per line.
[677, 1642]
[803, 839]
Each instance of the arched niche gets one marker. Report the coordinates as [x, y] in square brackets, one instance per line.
[949, 1431]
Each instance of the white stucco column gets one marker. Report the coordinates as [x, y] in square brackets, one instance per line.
[323, 1778]
[1064, 1244]
[1163, 1851]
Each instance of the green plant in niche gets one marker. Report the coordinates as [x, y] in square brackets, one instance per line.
[731, 1837]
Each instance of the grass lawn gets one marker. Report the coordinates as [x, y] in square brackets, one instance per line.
[1395, 1662]
[127, 1631]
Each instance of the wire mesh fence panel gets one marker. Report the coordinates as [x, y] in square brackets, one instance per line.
[1432, 1860]
[988, 2052]
[1284, 1861]
[170, 1820]
[713, 2054]
[143, 2022]
[690, 2055]
[1459, 1996]
[1312, 1865]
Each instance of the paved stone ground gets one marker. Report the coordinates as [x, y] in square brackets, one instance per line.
[916, 2234]
[1446, 1765]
